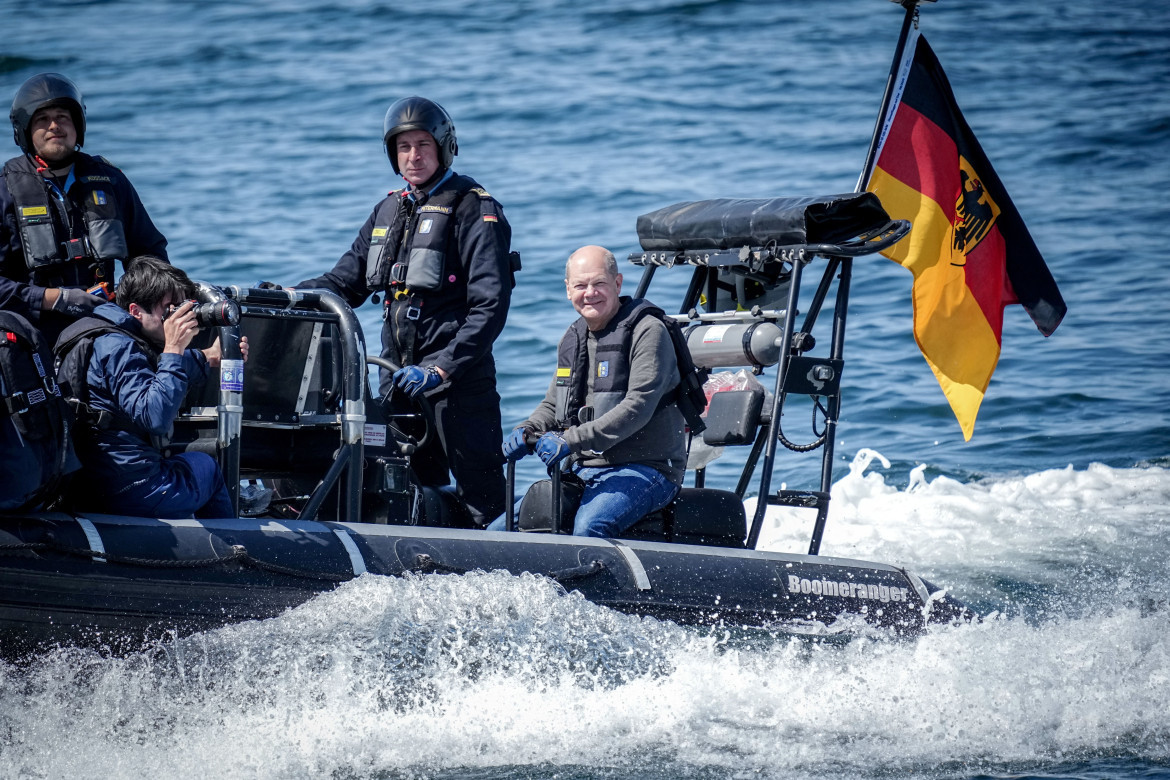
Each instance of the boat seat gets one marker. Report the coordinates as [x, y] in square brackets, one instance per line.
[704, 516]
[535, 512]
[697, 516]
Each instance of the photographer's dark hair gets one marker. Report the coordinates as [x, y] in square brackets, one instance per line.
[150, 280]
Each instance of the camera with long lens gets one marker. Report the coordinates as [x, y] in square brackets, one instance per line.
[213, 314]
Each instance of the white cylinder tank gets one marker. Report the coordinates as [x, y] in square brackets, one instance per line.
[735, 344]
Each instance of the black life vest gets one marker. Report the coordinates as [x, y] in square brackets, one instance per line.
[49, 231]
[429, 222]
[74, 351]
[35, 446]
[407, 259]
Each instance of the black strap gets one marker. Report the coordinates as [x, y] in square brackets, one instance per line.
[404, 312]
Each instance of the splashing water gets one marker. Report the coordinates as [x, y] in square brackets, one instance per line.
[426, 675]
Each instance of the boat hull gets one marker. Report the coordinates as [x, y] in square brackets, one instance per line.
[119, 582]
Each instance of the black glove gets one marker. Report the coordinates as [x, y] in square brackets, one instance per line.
[75, 302]
[262, 285]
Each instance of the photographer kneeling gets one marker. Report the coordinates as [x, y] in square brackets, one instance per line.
[126, 370]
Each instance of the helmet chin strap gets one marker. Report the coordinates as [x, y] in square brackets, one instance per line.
[60, 165]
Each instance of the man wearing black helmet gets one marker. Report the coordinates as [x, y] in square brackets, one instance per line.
[65, 216]
[438, 252]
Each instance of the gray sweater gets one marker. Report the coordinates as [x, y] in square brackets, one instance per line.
[633, 431]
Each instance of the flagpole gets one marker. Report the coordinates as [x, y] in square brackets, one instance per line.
[908, 21]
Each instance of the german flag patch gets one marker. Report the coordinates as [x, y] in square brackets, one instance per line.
[490, 218]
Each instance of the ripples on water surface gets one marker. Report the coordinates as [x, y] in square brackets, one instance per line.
[251, 131]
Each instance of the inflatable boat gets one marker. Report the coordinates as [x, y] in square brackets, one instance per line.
[319, 466]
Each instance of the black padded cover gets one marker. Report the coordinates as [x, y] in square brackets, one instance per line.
[733, 417]
[729, 223]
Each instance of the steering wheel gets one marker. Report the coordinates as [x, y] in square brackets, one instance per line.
[399, 407]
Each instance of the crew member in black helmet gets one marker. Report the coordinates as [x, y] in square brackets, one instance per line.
[66, 216]
[438, 252]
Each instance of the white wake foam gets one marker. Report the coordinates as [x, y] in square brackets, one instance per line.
[1038, 527]
[423, 675]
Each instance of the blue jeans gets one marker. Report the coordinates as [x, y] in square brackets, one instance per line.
[615, 498]
[188, 484]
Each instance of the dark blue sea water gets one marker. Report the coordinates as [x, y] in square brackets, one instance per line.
[252, 131]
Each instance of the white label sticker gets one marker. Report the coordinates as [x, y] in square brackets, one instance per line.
[231, 376]
[374, 435]
[715, 334]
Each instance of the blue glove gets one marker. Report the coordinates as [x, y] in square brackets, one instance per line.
[414, 380]
[551, 448]
[514, 446]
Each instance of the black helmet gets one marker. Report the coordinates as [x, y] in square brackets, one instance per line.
[418, 113]
[42, 90]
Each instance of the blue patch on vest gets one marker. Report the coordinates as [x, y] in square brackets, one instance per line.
[603, 368]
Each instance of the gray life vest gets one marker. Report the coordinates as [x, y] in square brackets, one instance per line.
[46, 235]
[611, 364]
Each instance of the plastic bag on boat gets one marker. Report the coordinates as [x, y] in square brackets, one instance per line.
[701, 453]
[731, 380]
[255, 498]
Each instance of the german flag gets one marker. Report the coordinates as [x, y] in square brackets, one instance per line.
[968, 249]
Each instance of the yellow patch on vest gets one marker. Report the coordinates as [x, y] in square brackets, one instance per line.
[564, 372]
[34, 211]
[379, 232]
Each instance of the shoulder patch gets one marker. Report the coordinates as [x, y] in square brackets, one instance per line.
[488, 208]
